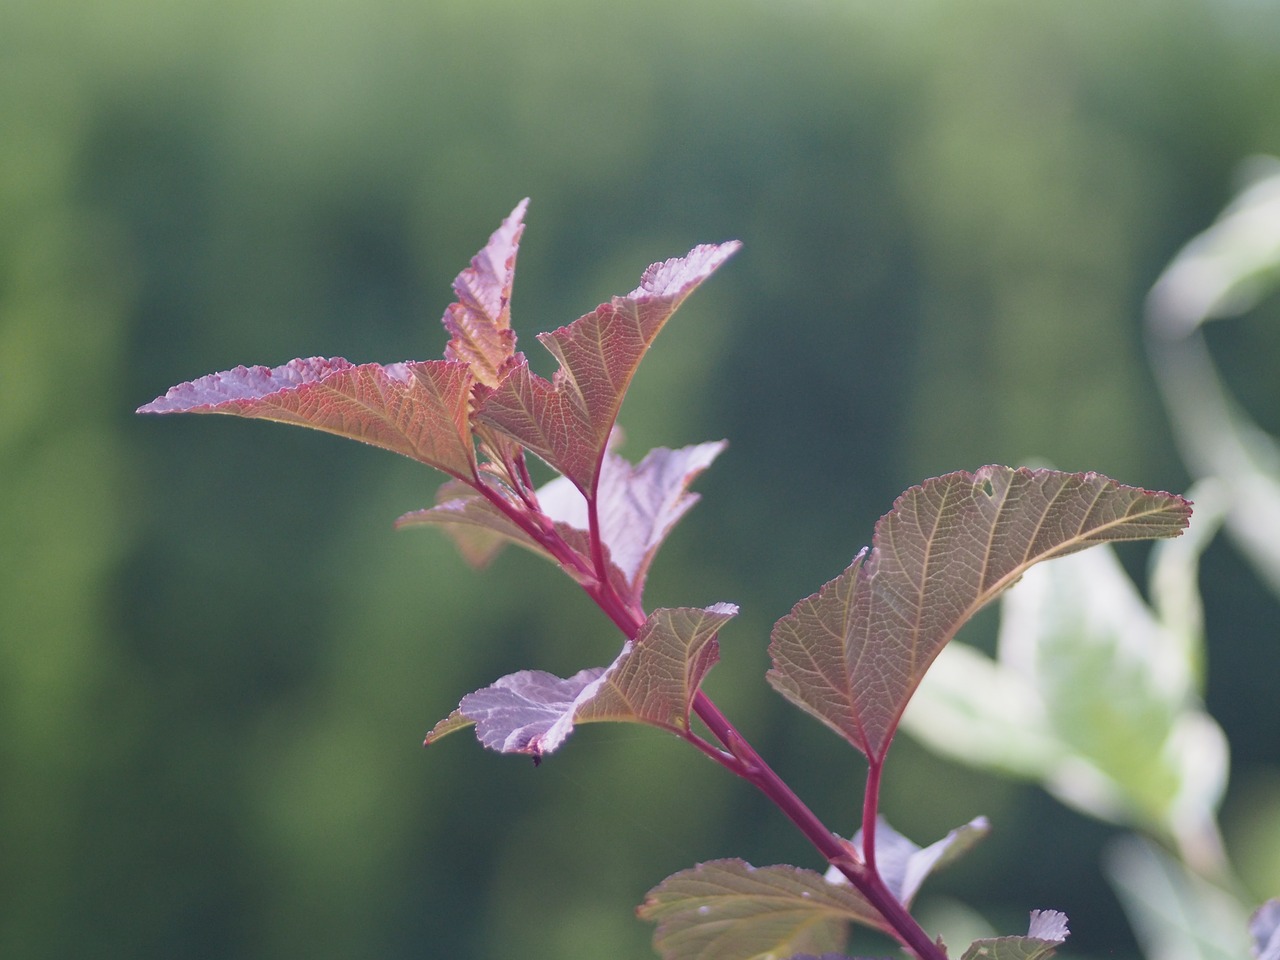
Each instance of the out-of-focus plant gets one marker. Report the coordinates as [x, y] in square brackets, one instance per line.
[1098, 694]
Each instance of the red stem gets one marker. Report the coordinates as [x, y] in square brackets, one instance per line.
[870, 808]
[741, 758]
[838, 852]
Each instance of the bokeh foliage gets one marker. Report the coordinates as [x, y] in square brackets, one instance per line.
[217, 661]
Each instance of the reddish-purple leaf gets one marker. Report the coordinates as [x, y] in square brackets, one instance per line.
[653, 681]
[904, 866]
[853, 653]
[656, 679]
[638, 506]
[418, 409]
[479, 325]
[480, 321]
[567, 421]
[730, 910]
[527, 712]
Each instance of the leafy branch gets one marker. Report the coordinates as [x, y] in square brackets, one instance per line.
[851, 654]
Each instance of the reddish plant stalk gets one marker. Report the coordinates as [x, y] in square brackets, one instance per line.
[739, 757]
[742, 759]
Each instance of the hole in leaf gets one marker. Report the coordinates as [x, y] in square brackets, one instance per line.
[988, 490]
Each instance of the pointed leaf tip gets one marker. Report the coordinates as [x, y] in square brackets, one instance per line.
[638, 505]
[904, 865]
[418, 409]
[678, 276]
[853, 653]
[479, 322]
[567, 421]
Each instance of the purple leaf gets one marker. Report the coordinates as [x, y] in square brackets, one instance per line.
[527, 712]
[418, 409]
[904, 866]
[1264, 927]
[653, 681]
[853, 653]
[480, 529]
[639, 505]
[656, 680]
[1048, 925]
[1048, 930]
[480, 320]
[730, 909]
[479, 325]
[567, 421]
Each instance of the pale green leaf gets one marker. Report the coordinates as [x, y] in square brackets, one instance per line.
[1176, 915]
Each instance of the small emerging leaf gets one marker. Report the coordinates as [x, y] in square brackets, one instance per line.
[638, 507]
[904, 866]
[479, 325]
[418, 409]
[730, 910]
[653, 681]
[567, 421]
[477, 527]
[480, 320]
[853, 653]
[1048, 930]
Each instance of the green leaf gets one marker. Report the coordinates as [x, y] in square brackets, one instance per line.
[418, 409]
[730, 910]
[853, 653]
[1091, 694]
[1223, 272]
[567, 421]
[653, 681]
[1175, 914]
[1048, 930]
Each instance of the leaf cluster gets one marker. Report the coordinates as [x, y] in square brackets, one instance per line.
[852, 654]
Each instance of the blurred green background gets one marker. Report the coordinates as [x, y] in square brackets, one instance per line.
[217, 661]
